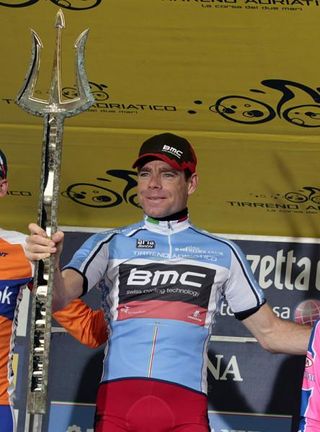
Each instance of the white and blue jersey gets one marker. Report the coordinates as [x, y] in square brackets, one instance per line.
[162, 282]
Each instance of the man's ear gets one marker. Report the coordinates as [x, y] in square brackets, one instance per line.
[193, 183]
[3, 187]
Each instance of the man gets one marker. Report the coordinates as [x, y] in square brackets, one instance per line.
[162, 280]
[310, 394]
[85, 324]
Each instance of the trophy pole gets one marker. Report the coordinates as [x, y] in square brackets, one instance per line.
[54, 111]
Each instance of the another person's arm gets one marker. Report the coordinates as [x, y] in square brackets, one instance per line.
[278, 335]
[85, 324]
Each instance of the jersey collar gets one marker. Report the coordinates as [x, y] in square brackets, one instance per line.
[166, 227]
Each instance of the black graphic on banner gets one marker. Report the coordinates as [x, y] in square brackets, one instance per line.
[243, 109]
[75, 5]
[96, 195]
[97, 91]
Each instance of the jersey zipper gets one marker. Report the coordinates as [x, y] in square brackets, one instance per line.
[156, 327]
[153, 348]
[169, 239]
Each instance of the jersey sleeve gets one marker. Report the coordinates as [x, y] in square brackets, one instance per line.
[241, 290]
[85, 324]
[91, 260]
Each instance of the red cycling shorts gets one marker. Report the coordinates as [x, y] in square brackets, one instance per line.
[147, 405]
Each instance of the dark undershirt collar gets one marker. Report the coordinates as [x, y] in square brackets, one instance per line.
[179, 216]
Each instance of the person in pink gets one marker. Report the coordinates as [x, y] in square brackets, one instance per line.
[310, 392]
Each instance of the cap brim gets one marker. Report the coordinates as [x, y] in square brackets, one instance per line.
[140, 161]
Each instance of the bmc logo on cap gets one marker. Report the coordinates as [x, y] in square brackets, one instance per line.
[172, 150]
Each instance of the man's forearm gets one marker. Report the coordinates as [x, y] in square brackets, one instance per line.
[67, 287]
[278, 335]
[291, 338]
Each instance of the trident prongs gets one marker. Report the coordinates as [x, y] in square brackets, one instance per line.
[55, 105]
[54, 111]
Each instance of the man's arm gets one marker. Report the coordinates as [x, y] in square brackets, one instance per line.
[277, 335]
[68, 284]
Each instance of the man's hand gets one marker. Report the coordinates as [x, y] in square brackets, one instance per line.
[68, 284]
[39, 246]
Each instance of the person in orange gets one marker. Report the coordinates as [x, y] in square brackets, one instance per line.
[16, 271]
[15, 274]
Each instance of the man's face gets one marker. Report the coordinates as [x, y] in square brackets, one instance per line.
[3, 187]
[163, 191]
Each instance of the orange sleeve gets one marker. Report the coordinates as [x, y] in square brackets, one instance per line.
[85, 324]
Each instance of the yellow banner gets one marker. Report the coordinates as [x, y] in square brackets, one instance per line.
[238, 78]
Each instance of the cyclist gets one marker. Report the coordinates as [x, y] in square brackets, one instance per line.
[16, 272]
[162, 280]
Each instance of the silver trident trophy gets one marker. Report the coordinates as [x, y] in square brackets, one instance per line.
[54, 111]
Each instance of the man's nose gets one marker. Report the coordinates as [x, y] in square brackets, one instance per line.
[155, 181]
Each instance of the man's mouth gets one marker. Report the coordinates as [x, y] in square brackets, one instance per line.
[155, 198]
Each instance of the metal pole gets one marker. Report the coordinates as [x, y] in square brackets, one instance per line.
[54, 111]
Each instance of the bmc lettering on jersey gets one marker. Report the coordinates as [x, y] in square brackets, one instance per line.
[172, 150]
[145, 244]
[5, 296]
[171, 277]
[191, 284]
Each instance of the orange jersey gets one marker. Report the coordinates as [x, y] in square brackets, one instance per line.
[15, 273]
[85, 324]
